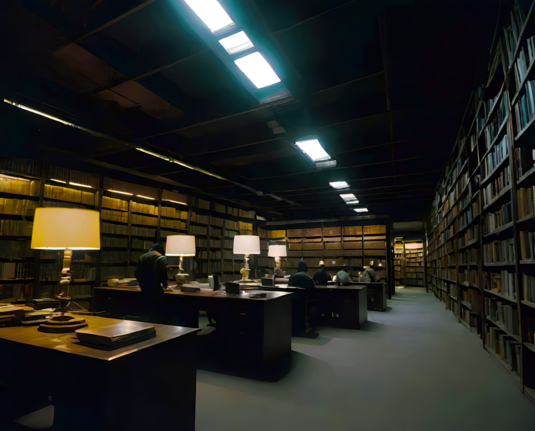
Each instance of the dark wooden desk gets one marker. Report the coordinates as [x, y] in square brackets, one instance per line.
[148, 385]
[253, 336]
[376, 294]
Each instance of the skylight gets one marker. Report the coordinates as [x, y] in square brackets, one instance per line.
[236, 43]
[211, 13]
[313, 149]
[361, 210]
[257, 69]
[348, 197]
[339, 185]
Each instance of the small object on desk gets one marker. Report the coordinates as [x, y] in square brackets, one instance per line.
[257, 295]
[190, 288]
[232, 287]
[115, 336]
[268, 281]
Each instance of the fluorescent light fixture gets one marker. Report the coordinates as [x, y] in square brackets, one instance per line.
[361, 210]
[80, 185]
[348, 197]
[211, 13]
[236, 43]
[42, 114]
[339, 185]
[122, 193]
[145, 197]
[257, 69]
[58, 181]
[313, 149]
[175, 202]
[325, 165]
[356, 201]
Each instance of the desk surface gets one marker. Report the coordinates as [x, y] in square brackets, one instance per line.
[68, 343]
[207, 293]
[319, 286]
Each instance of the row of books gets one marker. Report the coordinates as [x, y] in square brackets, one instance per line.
[513, 31]
[70, 195]
[527, 243]
[16, 227]
[145, 220]
[165, 233]
[54, 204]
[217, 266]
[142, 231]
[470, 235]
[496, 186]
[197, 230]
[506, 347]
[466, 217]
[174, 213]
[470, 276]
[495, 220]
[504, 313]
[525, 159]
[491, 131]
[114, 204]
[19, 186]
[111, 241]
[21, 165]
[218, 254]
[115, 229]
[73, 176]
[15, 249]
[499, 252]
[135, 255]
[199, 218]
[201, 203]
[83, 272]
[525, 199]
[10, 270]
[503, 282]
[469, 256]
[50, 272]
[217, 221]
[119, 216]
[525, 107]
[23, 207]
[528, 287]
[523, 62]
[144, 208]
[141, 244]
[262, 233]
[214, 231]
[497, 155]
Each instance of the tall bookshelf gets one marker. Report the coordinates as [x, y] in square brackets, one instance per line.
[481, 262]
[413, 263]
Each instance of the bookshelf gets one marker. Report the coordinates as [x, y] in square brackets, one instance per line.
[413, 263]
[480, 241]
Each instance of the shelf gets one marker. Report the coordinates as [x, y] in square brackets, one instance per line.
[497, 198]
[529, 346]
[19, 174]
[503, 328]
[494, 171]
[461, 229]
[498, 133]
[527, 175]
[526, 218]
[114, 209]
[499, 230]
[68, 202]
[498, 264]
[466, 304]
[528, 304]
[14, 237]
[506, 367]
[500, 295]
[469, 244]
[524, 130]
[16, 280]
[467, 284]
[9, 195]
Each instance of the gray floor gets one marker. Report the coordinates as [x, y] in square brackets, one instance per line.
[411, 368]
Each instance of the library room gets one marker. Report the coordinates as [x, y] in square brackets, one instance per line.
[267, 215]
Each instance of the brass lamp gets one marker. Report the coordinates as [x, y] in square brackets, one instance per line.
[180, 245]
[246, 244]
[65, 229]
[277, 251]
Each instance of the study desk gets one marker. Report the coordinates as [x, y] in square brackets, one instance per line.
[376, 293]
[252, 336]
[147, 385]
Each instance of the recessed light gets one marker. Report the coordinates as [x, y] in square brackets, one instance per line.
[313, 149]
[361, 210]
[211, 13]
[348, 197]
[145, 197]
[80, 185]
[339, 185]
[236, 43]
[257, 69]
[356, 201]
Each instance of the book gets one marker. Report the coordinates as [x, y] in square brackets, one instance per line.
[117, 335]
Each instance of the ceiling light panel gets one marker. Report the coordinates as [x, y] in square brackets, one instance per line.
[352, 202]
[339, 185]
[236, 43]
[313, 149]
[361, 210]
[348, 197]
[212, 14]
[258, 70]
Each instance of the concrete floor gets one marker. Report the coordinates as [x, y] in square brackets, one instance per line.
[410, 368]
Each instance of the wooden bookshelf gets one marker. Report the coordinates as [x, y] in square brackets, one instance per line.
[480, 234]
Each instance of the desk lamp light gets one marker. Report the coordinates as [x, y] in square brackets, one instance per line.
[183, 246]
[277, 251]
[65, 229]
[246, 244]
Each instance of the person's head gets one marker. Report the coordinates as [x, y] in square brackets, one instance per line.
[322, 264]
[302, 266]
[371, 263]
[158, 249]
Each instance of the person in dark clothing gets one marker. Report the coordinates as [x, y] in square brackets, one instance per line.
[151, 273]
[321, 276]
[302, 279]
[343, 277]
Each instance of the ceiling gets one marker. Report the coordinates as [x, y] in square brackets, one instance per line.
[384, 84]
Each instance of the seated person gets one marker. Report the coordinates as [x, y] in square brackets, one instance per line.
[302, 279]
[368, 276]
[321, 276]
[342, 277]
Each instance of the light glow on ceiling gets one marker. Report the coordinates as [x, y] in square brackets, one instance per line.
[348, 197]
[211, 13]
[313, 149]
[257, 69]
[339, 185]
[361, 210]
[236, 43]
[80, 185]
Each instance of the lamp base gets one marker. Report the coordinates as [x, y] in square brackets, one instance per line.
[181, 279]
[62, 324]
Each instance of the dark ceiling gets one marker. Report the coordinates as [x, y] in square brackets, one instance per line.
[384, 84]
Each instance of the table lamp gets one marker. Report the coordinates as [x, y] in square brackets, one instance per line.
[180, 245]
[65, 229]
[277, 251]
[246, 244]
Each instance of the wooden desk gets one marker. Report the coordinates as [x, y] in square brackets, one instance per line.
[253, 336]
[148, 385]
[376, 294]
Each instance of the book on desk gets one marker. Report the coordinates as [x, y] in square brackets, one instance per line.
[115, 336]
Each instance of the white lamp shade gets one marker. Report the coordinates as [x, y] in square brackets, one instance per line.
[180, 245]
[66, 228]
[277, 251]
[246, 244]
